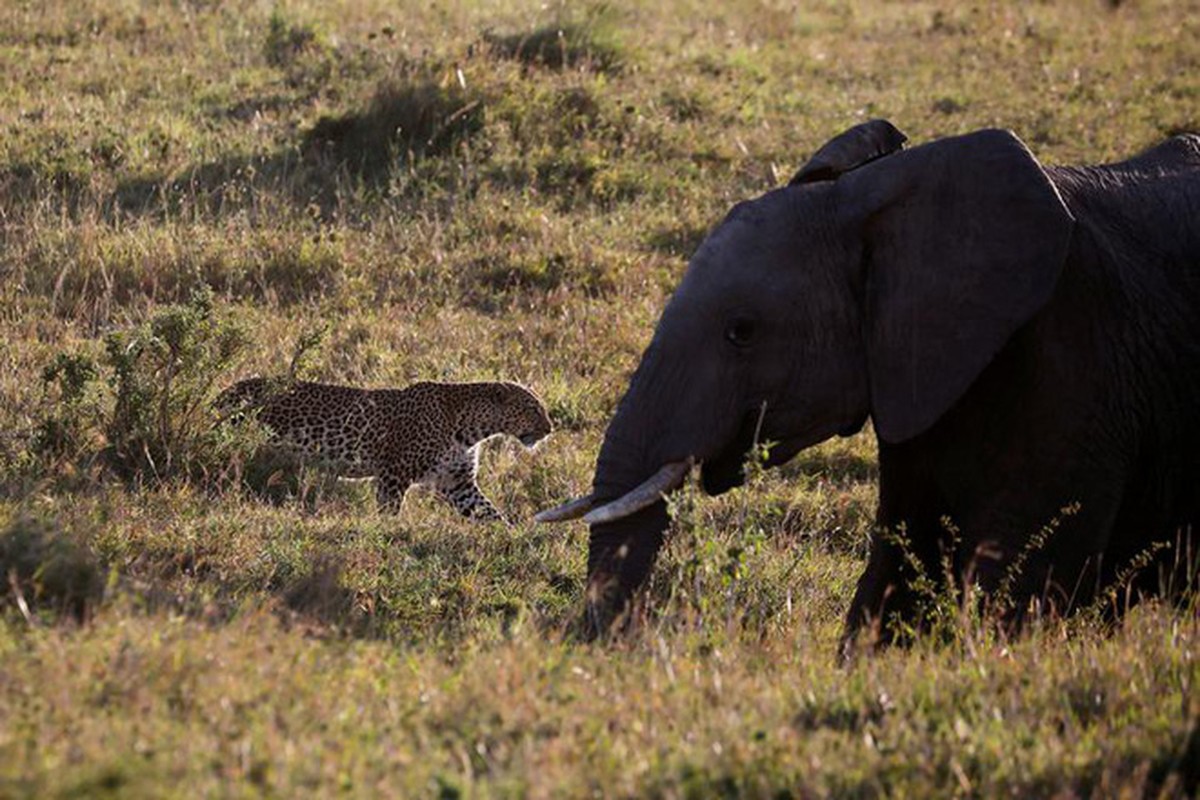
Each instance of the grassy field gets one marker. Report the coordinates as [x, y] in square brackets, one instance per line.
[193, 191]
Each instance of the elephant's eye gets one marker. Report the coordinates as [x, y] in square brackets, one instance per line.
[740, 332]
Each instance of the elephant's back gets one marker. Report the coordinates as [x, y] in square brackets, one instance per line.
[1143, 212]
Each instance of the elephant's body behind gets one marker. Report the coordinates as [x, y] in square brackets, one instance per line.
[1092, 409]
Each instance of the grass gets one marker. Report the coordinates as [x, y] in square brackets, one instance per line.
[497, 191]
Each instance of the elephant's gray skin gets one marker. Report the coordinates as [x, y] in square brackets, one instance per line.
[1023, 338]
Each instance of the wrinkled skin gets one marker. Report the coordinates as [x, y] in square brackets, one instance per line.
[1022, 337]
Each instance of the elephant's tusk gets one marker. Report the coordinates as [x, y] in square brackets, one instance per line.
[647, 494]
[572, 510]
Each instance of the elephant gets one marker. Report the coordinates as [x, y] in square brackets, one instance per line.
[1024, 339]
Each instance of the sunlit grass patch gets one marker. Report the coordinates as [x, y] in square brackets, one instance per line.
[95, 268]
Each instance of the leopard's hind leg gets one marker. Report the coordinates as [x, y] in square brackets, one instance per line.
[390, 488]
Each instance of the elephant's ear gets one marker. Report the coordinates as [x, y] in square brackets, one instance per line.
[963, 241]
[851, 149]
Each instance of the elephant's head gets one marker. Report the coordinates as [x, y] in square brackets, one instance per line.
[878, 283]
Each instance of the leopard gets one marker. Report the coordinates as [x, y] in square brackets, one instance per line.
[428, 433]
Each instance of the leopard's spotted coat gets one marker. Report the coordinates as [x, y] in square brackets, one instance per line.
[428, 433]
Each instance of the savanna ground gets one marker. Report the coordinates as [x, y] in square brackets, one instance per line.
[371, 192]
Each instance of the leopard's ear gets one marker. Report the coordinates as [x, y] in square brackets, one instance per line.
[494, 393]
[511, 389]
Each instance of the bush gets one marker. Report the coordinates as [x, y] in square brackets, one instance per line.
[143, 409]
[64, 431]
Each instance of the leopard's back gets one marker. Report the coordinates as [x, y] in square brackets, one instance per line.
[356, 430]
[332, 424]
[416, 433]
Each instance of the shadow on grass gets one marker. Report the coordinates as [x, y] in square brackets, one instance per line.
[561, 46]
[405, 124]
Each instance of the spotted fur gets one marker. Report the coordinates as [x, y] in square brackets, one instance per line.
[428, 433]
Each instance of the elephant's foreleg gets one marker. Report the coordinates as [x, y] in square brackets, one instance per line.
[882, 596]
[906, 538]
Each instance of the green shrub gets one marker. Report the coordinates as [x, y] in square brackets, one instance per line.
[63, 432]
[143, 408]
[162, 377]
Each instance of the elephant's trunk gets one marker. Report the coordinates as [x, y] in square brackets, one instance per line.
[620, 555]
[623, 546]
[671, 417]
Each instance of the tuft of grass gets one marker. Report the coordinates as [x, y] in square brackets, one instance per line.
[286, 40]
[47, 571]
[588, 40]
[406, 120]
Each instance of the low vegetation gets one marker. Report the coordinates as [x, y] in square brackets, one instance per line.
[194, 192]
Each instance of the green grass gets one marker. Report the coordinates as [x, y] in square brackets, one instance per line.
[500, 191]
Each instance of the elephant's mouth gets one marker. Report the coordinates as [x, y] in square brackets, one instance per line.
[726, 470]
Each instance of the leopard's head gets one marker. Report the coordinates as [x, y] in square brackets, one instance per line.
[522, 414]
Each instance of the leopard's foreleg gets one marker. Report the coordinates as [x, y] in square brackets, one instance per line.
[456, 485]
